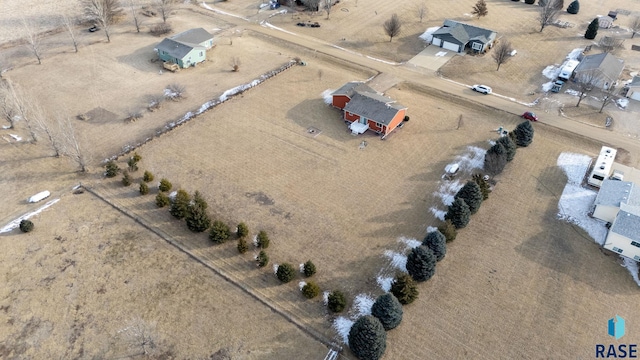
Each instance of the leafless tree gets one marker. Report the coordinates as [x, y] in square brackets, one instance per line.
[71, 146]
[33, 40]
[502, 52]
[235, 64]
[42, 125]
[320, 74]
[586, 81]
[460, 122]
[165, 7]
[548, 13]
[327, 4]
[606, 99]
[103, 13]
[610, 44]
[137, 21]
[20, 105]
[635, 26]
[480, 9]
[421, 10]
[7, 112]
[312, 5]
[140, 335]
[69, 24]
[392, 26]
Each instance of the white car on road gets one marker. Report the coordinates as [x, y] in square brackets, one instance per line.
[484, 89]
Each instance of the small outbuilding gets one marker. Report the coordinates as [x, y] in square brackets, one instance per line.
[365, 109]
[457, 36]
[185, 49]
[605, 22]
[633, 88]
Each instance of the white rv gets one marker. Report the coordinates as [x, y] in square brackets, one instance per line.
[602, 167]
[567, 69]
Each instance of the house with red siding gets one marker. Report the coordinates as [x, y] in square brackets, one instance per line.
[365, 109]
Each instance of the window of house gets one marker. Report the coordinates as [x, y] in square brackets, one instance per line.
[476, 46]
[598, 177]
[635, 244]
[618, 250]
[200, 53]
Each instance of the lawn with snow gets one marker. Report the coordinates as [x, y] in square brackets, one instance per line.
[427, 36]
[622, 103]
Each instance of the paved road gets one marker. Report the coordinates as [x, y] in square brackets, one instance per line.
[428, 78]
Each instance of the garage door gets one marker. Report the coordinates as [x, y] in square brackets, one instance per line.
[436, 41]
[450, 46]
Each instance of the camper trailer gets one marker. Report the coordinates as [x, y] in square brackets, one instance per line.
[567, 69]
[603, 166]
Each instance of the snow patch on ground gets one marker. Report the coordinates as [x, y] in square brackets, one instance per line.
[575, 54]
[385, 282]
[326, 96]
[409, 242]
[301, 268]
[622, 103]
[398, 260]
[551, 72]
[267, 24]
[342, 325]
[15, 137]
[575, 202]
[255, 241]
[437, 213]
[473, 158]
[362, 305]
[572, 92]
[427, 35]
[325, 298]
[547, 86]
[301, 285]
[5, 127]
[16, 222]
[431, 229]
[632, 266]
[447, 191]
[204, 5]
[275, 268]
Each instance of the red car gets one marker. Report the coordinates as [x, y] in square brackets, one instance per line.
[529, 116]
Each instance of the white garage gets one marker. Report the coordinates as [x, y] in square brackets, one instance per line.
[451, 46]
[633, 87]
[436, 41]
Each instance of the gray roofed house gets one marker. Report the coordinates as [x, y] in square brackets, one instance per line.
[614, 192]
[174, 48]
[605, 67]
[458, 36]
[628, 225]
[373, 106]
[197, 36]
[350, 88]
[186, 49]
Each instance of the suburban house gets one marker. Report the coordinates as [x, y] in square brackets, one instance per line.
[602, 69]
[618, 203]
[456, 36]
[605, 22]
[633, 88]
[186, 48]
[365, 109]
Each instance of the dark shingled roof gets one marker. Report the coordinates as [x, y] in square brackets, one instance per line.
[635, 81]
[350, 88]
[373, 106]
[606, 63]
[193, 36]
[175, 48]
[614, 192]
[463, 33]
[627, 225]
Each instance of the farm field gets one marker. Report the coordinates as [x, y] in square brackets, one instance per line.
[516, 283]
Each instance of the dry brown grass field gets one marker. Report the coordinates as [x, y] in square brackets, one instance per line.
[516, 283]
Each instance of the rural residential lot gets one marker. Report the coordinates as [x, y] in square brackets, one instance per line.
[108, 274]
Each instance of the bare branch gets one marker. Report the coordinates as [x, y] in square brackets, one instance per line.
[610, 44]
[70, 143]
[327, 4]
[103, 13]
[421, 11]
[69, 24]
[137, 21]
[392, 26]
[20, 107]
[41, 124]
[502, 52]
[480, 9]
[549, 11]
[635, 26]
[33, 40]
[586, 81]
[165, 7]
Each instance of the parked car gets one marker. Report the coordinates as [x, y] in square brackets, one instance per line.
[94, 28]
[484, 89]
[529, 116]
[557, 86]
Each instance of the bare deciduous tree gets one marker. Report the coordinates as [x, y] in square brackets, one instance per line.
[635, 26]
[71, 146]
[7, 111]
[235, 64]
[502, 52]
[586, 81]
[137, 20]
[421, 11]
[103, 13]
[610, 44]
[606, 99]
[480, 9]
[327, 4]
[69, 24]
[392, 26]
[20, 107]
[165, 7]
[312, 5]
[42, 125]
[33, 40]
[141, 336]
[548, 13]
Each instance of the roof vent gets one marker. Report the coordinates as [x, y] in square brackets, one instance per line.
[607, 151]
[601, 167]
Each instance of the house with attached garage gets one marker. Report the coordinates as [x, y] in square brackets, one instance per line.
[602, 70]
[633, 88]
[458, 37]
[185, 49]
[365, 109]
[618, 203]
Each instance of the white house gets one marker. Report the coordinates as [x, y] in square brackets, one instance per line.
[633, 88]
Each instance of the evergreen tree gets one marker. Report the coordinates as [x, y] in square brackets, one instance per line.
[448, 230]
[219, 232]
[162, 200]
[242, 245]
[574, 7]
[180, 204]
[404, 289]
[165, 185]
[310, 290]
[480, 9]
[112, 169]
[458, 213]
[309, 268]
[197, 218]
[437, 242]
[509, 146]
[262, 259]
[336, 301]
[285, 272]
[26, 225]
[592, 30]
[144, 188]
[523, 134]
[242, 230]
[485, 188]
[388, 310]
[367, 338]
[421, 263]
[263, 239]
[472, 195]
[198, 200]
[126, 178]
[495, 159]
[148, 176]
